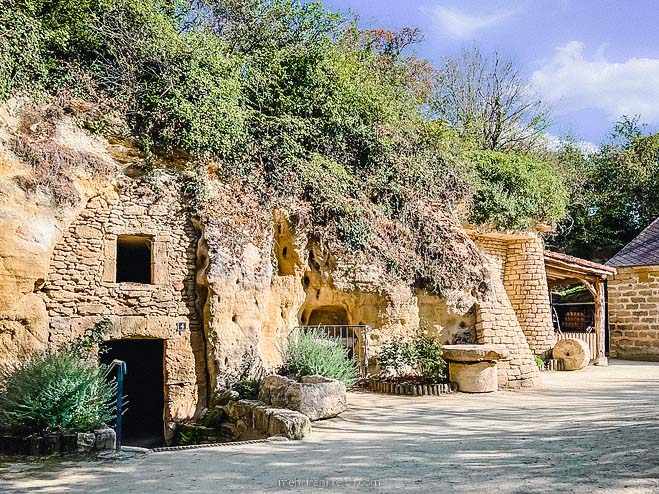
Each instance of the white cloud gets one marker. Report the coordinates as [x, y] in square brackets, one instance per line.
[556, 143]
[459, 24]
[570, 82]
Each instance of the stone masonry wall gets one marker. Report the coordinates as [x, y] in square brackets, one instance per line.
[520, 264]
[497, 322]
[634, 313]
[525, 281]
[80, 288]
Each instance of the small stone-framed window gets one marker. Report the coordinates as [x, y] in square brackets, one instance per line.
[134, 259]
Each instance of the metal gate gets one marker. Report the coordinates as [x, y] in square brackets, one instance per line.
[354, 337]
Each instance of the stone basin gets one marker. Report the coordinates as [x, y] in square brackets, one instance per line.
[473, 368]
[474, 353]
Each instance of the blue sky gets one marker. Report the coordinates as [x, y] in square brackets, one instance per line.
[590, 60]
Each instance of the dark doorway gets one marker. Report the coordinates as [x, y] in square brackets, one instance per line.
[333, 315]
[143, 423]
[133, 259]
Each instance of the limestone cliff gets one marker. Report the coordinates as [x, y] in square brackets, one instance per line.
[238, 276]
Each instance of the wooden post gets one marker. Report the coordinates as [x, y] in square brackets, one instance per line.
[600, 323]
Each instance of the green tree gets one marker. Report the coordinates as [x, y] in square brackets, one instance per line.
[617, 196]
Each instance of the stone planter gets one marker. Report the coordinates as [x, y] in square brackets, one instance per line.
[56, 443]
[473, 368]
[408, 389]
[317, 397]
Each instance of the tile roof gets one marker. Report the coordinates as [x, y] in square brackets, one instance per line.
[642, 251]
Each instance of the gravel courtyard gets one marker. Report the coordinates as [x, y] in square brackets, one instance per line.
[590, 431]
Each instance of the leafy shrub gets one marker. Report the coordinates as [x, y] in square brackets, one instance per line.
[428, 357]
[395, 356]
[423, 355]
[63, 391]
[56, 392]
[539, 362]
[313, 352]
[512, 190]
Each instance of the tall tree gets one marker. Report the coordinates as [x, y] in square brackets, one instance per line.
[489, 102]
[617, 195]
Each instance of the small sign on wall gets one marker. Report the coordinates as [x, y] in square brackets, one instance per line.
[181, 327]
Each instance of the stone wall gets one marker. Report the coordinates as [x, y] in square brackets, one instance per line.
[520, 264]
[634, 313]
[81, 288]
[496, 322]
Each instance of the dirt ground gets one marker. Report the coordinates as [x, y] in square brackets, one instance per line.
[591, 431]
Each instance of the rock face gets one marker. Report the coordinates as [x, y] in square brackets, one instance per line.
[316, 396]
[236, 275]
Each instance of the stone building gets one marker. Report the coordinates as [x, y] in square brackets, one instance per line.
[131, 256]
[634, 298]
[519, 263]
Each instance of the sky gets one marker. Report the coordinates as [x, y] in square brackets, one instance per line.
[592, 61]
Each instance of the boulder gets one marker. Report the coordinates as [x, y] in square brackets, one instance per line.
[261, 418]
[225, 396]
[288, 423]
[474, 377]
[106, 438]
[86, 441]
[473, 368]
[317, 397]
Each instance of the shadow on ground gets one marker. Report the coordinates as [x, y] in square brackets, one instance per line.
[593, 431]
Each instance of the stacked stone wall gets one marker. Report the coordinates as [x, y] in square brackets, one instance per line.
[80, 288]
[525, 281]
[520, 265]
[496, 322]
[634, 313]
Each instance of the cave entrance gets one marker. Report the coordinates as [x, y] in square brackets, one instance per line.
[328, 315]
[143, 419]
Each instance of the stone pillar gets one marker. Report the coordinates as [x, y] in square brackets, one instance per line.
[525, 281]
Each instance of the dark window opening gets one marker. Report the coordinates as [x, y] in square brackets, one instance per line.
[133, 259]
[143, 419]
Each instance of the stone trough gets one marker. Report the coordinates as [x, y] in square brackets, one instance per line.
[473, 368]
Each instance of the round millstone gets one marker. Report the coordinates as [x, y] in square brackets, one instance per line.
[575, 354]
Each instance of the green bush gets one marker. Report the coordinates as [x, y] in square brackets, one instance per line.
[395, 356]
[60, 391]
[421, 355]
[428, 357]
[56, 392]
[313, 352]
[513, 190]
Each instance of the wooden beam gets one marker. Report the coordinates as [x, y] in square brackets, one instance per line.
[600, 322]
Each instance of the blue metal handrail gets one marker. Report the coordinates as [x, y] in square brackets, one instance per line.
[120, 397]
